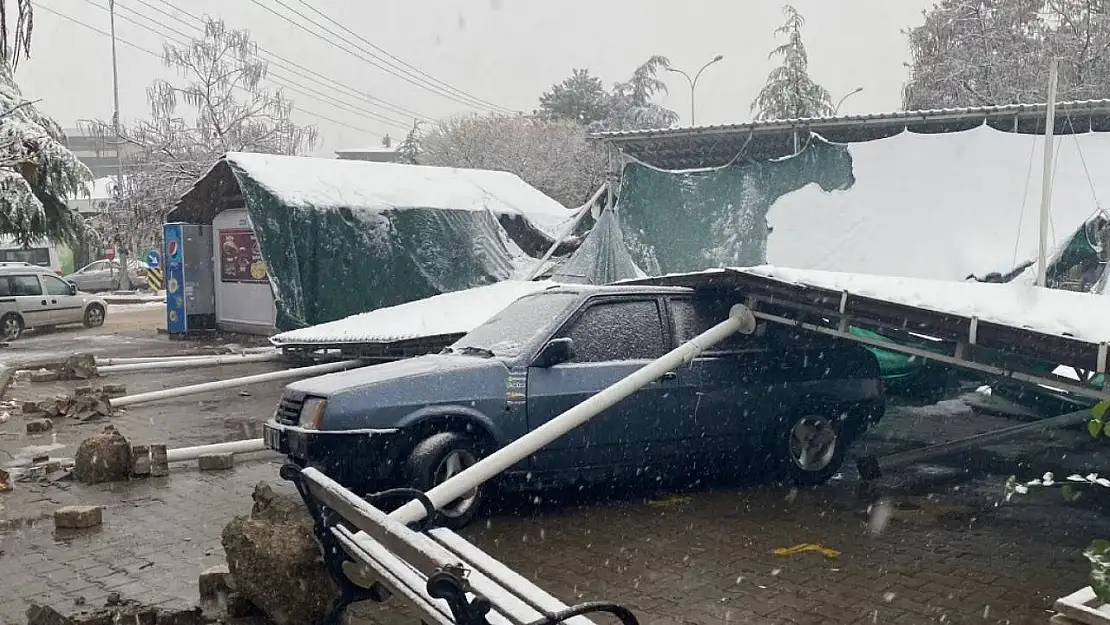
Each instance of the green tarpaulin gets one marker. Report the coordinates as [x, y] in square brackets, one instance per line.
[602, 258]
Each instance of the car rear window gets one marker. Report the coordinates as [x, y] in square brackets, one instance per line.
[692, 317]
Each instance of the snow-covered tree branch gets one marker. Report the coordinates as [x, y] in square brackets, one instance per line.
[790, 93]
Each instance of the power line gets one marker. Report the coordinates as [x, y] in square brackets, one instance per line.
[159, 56]
[278, 79]
[376, 63]
[288, 65]
[400, 62]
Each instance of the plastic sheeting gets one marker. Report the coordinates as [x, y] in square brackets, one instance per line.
[602, 258]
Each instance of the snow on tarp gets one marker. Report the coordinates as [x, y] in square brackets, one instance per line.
[450, 313]
[940, 206]
[1082, 316]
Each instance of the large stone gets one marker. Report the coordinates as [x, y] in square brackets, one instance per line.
[140, 461]
[105, 457]
[38, 426]
[79, 367]
[159, 461]
[215, 462]
[78, 517]
[214, 585]
[275, 559]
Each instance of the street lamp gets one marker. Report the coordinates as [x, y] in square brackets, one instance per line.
[694, 81]
[846, 96]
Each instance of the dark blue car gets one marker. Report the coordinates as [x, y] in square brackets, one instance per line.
[778, 399]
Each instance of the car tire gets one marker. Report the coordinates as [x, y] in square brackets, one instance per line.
[94, 316]
[810, 446]
[437, 458]
[12, 326]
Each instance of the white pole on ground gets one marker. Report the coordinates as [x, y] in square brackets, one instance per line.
[740, 319]
[134, 360]
[183, 454]
[582, 212]
[219, 385]
[1046, 180]
[209, 361]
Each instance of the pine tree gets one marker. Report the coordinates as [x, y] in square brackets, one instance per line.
[579, 98]
[789, 92]
[409, 150]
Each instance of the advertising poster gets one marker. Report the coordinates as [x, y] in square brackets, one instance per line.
[175, 277]
[240, 258]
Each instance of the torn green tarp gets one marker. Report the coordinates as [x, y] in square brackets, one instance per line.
[602, 258]
[676, 221]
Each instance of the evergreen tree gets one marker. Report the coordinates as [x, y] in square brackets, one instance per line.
[583, 99]
[409, 150]
[579, 98]
[789, 92]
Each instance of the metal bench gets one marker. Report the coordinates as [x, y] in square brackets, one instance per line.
[447, 579]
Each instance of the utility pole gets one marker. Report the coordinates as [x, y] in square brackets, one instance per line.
[1046, 180]
[694, 81]
[121, 249]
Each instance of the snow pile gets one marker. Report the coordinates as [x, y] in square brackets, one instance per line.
[372, 187]
[940, 206]
[1083, 316]
[449, 313]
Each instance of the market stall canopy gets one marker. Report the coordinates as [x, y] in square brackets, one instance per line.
[344, 237]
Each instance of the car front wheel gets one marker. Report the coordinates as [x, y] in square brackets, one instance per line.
[94, 316]
[436, 459]
[12, 326]
[812, 448]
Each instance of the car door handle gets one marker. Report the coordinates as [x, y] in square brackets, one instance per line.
[44, 302]
[670, 375]
[53, 301]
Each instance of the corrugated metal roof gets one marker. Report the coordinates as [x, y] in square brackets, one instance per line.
[710, 146]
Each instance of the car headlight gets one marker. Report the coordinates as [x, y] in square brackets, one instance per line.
[312, 412]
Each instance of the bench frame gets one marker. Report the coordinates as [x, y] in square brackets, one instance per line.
[449, 581]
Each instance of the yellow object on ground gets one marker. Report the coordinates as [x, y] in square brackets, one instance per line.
[789, 551]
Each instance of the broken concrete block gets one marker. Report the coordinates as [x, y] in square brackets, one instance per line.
[140, 460]
[78, 517]
[79, 367]
[215, 588]
[5, 481]
[83, 390]
[38, 426]
[114, 390]
[215, 462]
[45, 376]
[159, 462]
[31, 407]
[105, 457]
[45, 615]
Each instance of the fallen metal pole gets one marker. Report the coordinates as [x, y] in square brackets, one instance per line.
[219, 385]
[582, 212]
[740, 319]
[208, 361]
[234, 447]
[871, 468]
[136, 360]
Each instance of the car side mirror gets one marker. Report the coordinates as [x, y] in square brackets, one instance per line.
[556, 352]
[72, 288]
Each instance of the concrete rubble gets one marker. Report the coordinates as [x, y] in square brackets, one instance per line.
[274, 560]
[105, 457]
[78, 517]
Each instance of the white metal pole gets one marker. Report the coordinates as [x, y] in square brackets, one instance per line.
[234, 447]
[582, 212]
[134, 360]
[740, 319]
[1046, 181]
[219, 385]
[185, 364]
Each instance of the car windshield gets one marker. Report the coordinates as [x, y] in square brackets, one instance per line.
[507, 332]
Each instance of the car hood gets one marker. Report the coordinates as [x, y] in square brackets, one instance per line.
[375, 375]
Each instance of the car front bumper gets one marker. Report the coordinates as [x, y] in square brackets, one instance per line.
[354, 458]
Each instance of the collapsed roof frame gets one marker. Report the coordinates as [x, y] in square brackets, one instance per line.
[714, 146]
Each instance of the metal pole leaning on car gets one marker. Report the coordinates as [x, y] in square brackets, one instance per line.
[740, 319]
[219, 385]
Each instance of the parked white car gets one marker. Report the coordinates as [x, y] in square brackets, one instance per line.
[104, 275]
[34, 297]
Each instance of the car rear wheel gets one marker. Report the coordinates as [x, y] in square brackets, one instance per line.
[812, 448]
[438, 458]
[94, 316]
[12, 326]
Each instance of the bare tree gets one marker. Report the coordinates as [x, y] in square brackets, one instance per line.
[790, 93]
[221, 105]
[15, 37]
[551, 155]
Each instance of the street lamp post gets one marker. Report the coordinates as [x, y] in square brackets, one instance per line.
[124, 277]
[694, 81]
[846, 96]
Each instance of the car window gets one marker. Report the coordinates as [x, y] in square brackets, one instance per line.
[100, 265]
[56, 286]
[630, 330]
[25, 285]
[691, 318]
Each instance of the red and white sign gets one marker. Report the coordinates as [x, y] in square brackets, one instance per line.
[110, 253]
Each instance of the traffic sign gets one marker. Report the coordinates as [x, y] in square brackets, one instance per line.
[153, 259]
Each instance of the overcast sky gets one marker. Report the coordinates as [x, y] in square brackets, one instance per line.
[503, 52]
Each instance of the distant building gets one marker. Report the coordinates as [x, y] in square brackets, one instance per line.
[387, 152]
[101, 156]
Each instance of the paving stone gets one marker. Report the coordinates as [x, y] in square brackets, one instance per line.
[215, 462]
[45, 376]
[39, 426]
[159, 462]
[78, 517]
[140, 460]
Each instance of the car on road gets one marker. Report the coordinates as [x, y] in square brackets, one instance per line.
[104, 275]
[34, 297]
[778, 399]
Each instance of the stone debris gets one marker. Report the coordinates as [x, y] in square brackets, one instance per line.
[5, 481]
[38, 426]
[215, 462]
[116, 610]
[78, 517]
[114, 390]
[88, 406]
[105, 457]
[45, 375]
[159, 461]
[215, 587]
[275, 562]
[140, 461]
[80, 366]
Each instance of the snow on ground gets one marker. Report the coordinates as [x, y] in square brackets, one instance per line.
[366, 185]
[940, 206]
[450, 313]
[1083, 316]
[119, 308]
